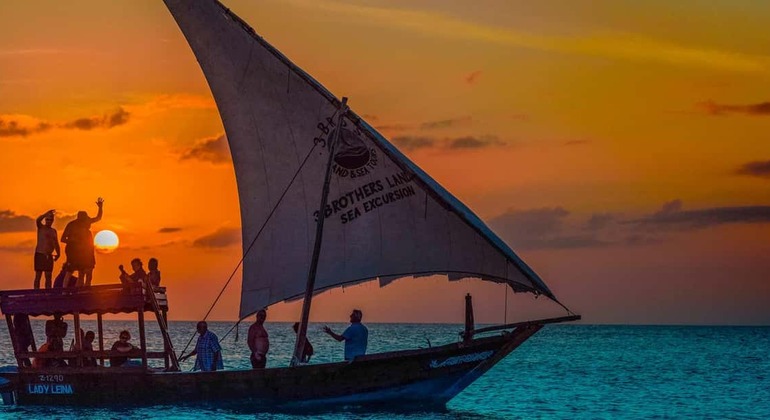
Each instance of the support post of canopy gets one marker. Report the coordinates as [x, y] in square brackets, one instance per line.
[469, 323]
[101, 337]
[142, 339]
[299, 348]
[78, 339]
[14, 343]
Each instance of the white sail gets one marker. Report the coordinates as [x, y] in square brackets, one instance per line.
[386, 218]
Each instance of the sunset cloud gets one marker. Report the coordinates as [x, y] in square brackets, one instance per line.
[12, 222]
[169, 229]
[221, 238]
[413, 142]
[760, 169]
[214, 150]
[713, 108]
[113, 119]
[543, 228]
[471, 142]
[21, 126]
[672, 216]
[448, 123]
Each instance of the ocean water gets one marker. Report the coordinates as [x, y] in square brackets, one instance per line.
[563, 372]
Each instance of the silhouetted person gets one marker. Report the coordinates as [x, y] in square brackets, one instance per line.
[54, 344]
[355, 336]
[47, 250]
[121, 346]
[24, 336]
[259, 342]
[153, 276]
[88, 345]
[308, 352]
[136, 276]
[80, 244]
[207, 349]
[56, 327]
[59, 280]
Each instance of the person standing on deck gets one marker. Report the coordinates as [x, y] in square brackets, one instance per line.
[258, 341]
[80, 245]
[207, 349]
[356, 336]
[47, 250]
[308, 352]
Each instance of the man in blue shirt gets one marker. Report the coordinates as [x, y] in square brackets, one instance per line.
[355, 336]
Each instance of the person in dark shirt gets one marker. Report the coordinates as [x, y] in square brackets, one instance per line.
[80, 244]
[153, 276]
[138, 274]
[56, 327]
[121, 346]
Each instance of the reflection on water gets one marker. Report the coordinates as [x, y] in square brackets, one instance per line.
[564, 371]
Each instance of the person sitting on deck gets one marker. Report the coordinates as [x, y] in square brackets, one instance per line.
[59, 281]
[153, 276]
[88, 345]
[56, 327]
[133, 278]
[308, 352]
[54, 344]
[355, 336]
[258, 341]
[121, 346]
[207, 349]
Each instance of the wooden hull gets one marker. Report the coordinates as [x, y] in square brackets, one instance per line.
[424, 377]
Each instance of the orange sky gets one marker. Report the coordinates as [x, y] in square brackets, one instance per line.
[619, 147]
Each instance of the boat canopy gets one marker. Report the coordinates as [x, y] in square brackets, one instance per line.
[101, 299]
[386, 218]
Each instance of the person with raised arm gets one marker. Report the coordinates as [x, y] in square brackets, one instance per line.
[47, 250]
[80, 244]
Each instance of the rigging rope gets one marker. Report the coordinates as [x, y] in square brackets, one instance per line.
[254, 241]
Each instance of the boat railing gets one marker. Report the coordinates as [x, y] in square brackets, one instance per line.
[515, 325]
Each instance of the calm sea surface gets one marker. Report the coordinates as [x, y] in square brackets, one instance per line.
[564, 371]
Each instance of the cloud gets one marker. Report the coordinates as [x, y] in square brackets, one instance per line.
[21, 247]
[458, 143]
[114, 119]
[394, 127]
[214, 150]
[413, 142]
[21, 126]
[169, 229]
[25, 125]
[713, 108]
[472, 77]
[757, 168]
[599, 221]
[613, 45]
[470, 142]
[12, 222]
[222, 238]
[542, 228]
[578, 142]
[672, 216]
[448, 123]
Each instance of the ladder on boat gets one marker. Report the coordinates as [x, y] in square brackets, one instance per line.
[163, 324]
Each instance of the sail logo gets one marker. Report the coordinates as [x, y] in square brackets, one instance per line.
[50, 389]
[352, 158]
[457, 360]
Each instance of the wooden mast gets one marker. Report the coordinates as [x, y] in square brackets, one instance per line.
[299, 348]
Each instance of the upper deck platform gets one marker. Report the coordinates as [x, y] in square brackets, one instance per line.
[101, 299]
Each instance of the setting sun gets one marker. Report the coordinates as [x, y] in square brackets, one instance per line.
[106, 241]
